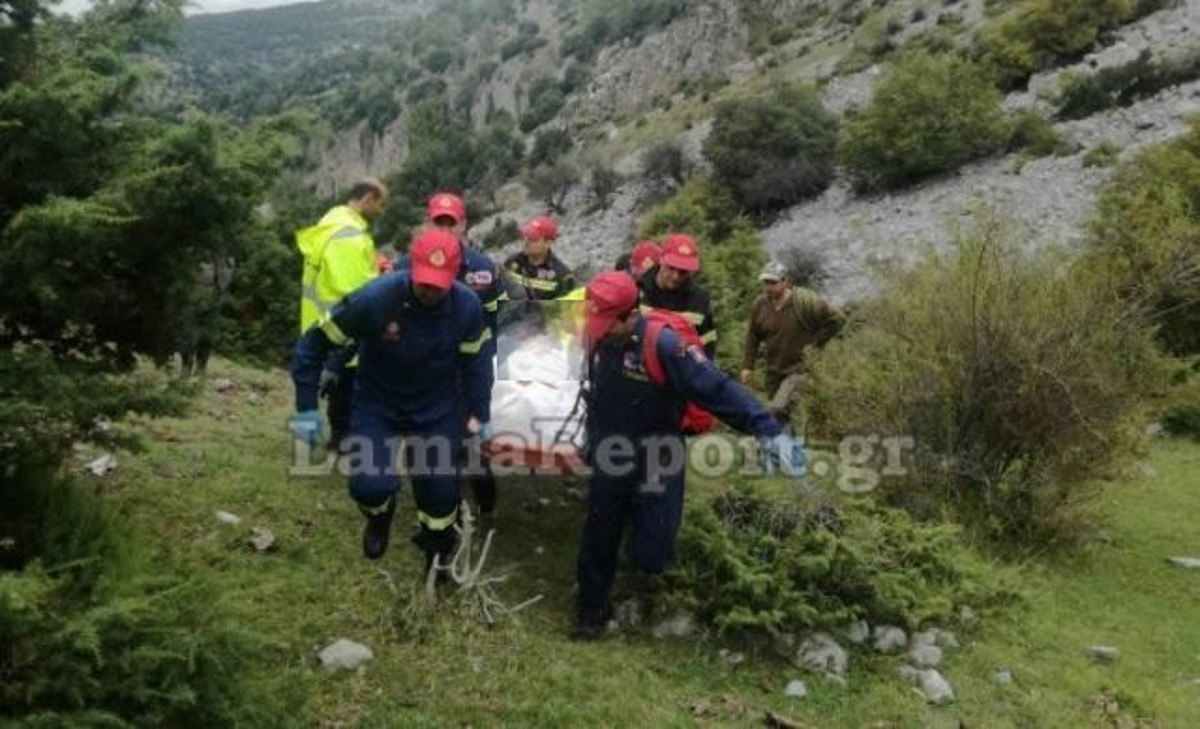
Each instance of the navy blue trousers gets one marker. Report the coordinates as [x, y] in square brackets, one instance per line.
[614, 503]
[430, 456]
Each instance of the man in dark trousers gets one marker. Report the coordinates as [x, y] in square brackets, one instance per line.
[636, 447]
[420, 336]
[447, 211]
[669, 286]
[786, 321]
[536, 269]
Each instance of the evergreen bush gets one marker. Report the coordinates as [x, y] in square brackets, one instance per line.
[751, 564]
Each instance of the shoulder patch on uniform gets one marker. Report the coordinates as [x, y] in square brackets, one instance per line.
[479, 279]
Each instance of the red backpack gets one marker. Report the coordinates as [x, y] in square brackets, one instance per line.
[695, 418]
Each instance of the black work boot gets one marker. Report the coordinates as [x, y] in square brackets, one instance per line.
[591, 625]
[484, 488]
[378, 528]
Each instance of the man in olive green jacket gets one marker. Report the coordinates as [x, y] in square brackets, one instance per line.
[786, 321]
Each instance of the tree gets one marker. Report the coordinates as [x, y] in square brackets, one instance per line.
[603, 182]
[549, 146]
[775, 149]
[665, 162]
[109, 210]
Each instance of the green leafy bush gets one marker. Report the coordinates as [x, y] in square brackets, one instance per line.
[666, 163]
[610, 21]
[1181, 416]
[872, 43]
[1147, 235]
[774, 149]
[1035, 34]
[549, 146]
[1085, 94]
[1034, 136]
[750, 564]
[1104, 154]
[525, 41]
[438, 60]
[930, 114]
[545, 100]
[1019, 380]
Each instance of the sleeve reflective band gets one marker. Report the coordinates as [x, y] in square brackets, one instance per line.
[492, 306]
[346, 232]
[310, 294]
[503, 296]
[475, 346]
[333, 331]
[709, 337]
[529, 282]
[437, 523]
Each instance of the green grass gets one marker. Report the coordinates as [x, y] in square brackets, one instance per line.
[444, 668]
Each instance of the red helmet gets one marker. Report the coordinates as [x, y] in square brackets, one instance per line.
[543, 227]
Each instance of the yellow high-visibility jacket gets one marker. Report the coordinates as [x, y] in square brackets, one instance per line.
[339, 257]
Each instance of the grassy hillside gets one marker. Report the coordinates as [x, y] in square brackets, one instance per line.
[433, 669]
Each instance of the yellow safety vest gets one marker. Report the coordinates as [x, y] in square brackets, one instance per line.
[339, 257]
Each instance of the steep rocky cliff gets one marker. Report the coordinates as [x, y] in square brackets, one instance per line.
[663, 84]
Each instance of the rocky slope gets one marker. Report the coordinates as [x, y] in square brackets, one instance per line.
[1052, 198]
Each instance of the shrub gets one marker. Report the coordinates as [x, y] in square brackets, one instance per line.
[1084, 95]
[1035, 34]
[702, 208]
[1183, 419]
[1181, 416]
[503, 232]
[665, 162]
[750, 564]
[929, 114]
[805, 267]
[603, 181]
[612, 21]
[1147, 234]
[551, 183]
[1035, 136]
[575, 77]
[1019, 381]
[872, 43]
[549, 146]
[88, 636]
[545, 100]
[1104, 154]
[437, 60]
[774, 150]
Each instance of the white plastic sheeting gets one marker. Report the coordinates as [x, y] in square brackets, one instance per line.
[539, 369]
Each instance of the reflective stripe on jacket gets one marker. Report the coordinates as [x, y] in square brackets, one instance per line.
[339, 257]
